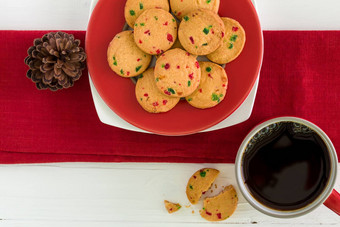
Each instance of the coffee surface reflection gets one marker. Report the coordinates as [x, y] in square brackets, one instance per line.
[286, 166]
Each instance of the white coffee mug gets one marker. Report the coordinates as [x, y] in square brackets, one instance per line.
[328, 196]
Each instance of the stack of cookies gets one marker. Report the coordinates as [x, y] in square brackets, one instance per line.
[177, 73]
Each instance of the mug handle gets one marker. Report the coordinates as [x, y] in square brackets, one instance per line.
[333, 202]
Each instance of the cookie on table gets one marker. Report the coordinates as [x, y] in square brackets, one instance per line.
[149, 97]
[125, 58]
[233, 42]
[134, 8]
[201, 32]
[199, 183]
[181, 8]
[155, 31]
[177, 73]
[213, 86]
[221, 206]
[172, 207]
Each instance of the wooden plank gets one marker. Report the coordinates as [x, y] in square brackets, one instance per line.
[44, 14]
[119, 194]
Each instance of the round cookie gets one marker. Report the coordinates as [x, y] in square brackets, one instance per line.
[124, 57]
[201, 32]
[233, 42]
[199, 183]
[134, 8]
[181, 8]
[177, 73]
[155, 31]
[212, 89]
[221, 206]
[149, 97]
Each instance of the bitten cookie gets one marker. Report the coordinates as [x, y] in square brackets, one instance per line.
[149, 97]
[177, 73]
[125, 58]
[201, 32]
[134, 8]
[155, 31]
[200, 182]
[212, 89]
[221, 206]
[181, 8]
[172, 207]
[233, 42]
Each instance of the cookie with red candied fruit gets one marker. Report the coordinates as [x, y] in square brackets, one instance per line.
[134, 8]
[201, 32]
[177, 73]
[172, 207]
[233, 42]
[155, 31]
[124, 57]
[212, 89]
[181, 8]
[199, 183]
[149, 97]
[220, 207]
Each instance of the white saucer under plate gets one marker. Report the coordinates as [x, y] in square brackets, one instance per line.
[107, 116]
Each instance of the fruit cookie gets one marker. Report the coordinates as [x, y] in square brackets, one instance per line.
[134, 8]
[155, 31]
[125, 58]
[171, 207]
[201, 32]
[233, 42]
[221, 206]
[199, 183]
[181, 8]
[177, 73]
[149, 97]
[213, 86]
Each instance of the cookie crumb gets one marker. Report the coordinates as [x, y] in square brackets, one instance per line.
[171, 207]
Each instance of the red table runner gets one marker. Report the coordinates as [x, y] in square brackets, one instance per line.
[300, 77]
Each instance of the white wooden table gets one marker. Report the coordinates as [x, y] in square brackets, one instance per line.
[131, 194]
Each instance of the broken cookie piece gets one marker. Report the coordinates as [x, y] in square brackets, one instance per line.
[172, 207]
[199, 183]
[220, 207]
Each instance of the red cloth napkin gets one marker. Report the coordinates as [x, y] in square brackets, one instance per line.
[300, 77]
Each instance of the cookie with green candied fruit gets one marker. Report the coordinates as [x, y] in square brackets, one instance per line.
[124, 57]
[199, 183]
[201, 32]
[172, 207]
[220, 207]
[180, 8]
[155, 31]
[177, 73]
[212, 89]
[134, 8]
[149, 97]
[233, 42]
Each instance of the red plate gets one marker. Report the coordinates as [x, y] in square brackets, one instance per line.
[108, 19]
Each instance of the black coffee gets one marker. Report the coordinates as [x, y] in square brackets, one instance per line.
[287, 169]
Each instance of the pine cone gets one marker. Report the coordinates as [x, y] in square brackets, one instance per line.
[55, 61]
